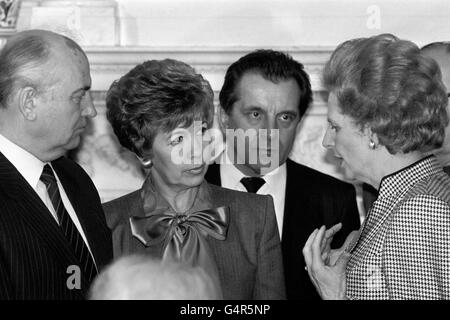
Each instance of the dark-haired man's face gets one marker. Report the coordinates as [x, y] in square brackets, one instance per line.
[268, 114]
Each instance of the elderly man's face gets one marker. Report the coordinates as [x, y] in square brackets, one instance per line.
[442, 57]
[64, 102]
[263, 106]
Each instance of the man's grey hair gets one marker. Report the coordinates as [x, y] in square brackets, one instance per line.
[26, 51]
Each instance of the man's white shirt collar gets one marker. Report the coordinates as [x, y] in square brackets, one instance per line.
[27, 164]
[31, 168]
[230, 175]
[275, 185]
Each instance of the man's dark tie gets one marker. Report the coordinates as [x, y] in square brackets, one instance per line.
[68, 227]
[252, 184]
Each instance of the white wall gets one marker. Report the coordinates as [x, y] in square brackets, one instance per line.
[287, 23]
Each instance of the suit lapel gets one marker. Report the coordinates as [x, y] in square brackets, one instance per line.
[34, 213]
[217, 246]
[288, 205]
[295, 203]
[85, 213]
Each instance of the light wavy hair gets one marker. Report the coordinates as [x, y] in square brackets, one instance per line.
[138, 277]
[386, 84]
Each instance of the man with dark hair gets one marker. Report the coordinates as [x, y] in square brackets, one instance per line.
[263, 98]
[53, 234]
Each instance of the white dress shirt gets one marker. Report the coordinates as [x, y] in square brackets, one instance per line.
[31, 168]
[275, 185]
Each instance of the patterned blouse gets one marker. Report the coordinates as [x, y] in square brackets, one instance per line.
[403, 251]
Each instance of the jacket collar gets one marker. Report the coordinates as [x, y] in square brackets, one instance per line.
[34, 213]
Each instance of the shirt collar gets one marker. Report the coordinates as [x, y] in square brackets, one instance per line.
[234, 175]
[275, 177]
[403, 179]
[27, 164]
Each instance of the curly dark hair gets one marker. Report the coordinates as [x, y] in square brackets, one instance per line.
[157, 96]
[272, 65]
[386, 84]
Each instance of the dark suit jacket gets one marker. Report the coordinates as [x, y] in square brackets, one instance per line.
[249, 260]
[312, 199]
[34, 253]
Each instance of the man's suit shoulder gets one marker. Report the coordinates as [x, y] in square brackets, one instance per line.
[73, 171]
[315, 180]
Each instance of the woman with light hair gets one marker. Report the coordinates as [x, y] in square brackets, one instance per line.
[386, 110]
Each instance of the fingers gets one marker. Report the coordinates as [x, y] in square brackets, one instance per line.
[307, 253]
[316, 251]
[350, 239]
[342, 261]
[334, 229]
[329, 235]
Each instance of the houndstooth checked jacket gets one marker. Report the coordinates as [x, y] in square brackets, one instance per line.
[403, 251]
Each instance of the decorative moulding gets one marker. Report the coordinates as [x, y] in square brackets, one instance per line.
[9, 10]
[89, 22]
[110, 62]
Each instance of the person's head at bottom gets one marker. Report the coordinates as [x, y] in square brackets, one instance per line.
[138, 277]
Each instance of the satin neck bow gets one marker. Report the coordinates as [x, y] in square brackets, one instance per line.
[162, 225]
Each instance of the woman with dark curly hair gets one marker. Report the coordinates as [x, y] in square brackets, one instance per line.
[386, 110]
[160, 111]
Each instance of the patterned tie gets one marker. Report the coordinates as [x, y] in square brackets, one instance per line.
[252, 184]
[68, 227]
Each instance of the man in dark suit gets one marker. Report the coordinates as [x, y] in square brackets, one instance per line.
[53, 234]
[269, 90]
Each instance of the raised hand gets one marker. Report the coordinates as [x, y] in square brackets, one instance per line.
[327, 276]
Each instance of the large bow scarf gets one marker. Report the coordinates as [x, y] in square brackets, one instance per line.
[163, 225]
[182, 236]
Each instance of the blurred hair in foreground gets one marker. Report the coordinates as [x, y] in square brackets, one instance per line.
[137, 277]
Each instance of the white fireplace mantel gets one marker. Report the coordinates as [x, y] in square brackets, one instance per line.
[109, 63]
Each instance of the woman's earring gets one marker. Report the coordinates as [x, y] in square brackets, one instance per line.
[372, 145]
[147, 163]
